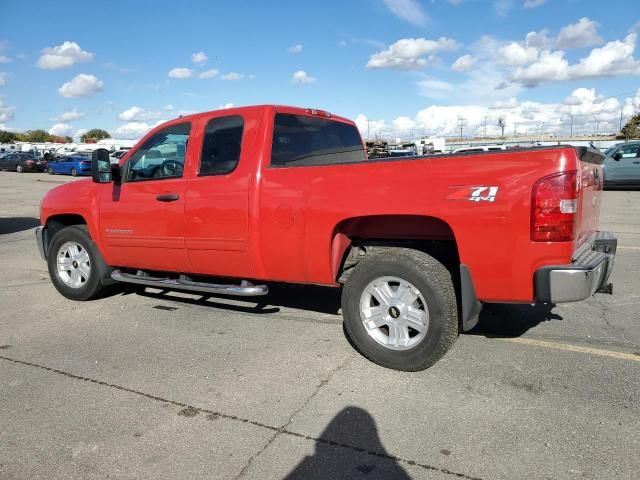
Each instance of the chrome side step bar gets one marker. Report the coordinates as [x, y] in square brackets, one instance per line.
[245, 289]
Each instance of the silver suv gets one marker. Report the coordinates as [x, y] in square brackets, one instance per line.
[622, 165]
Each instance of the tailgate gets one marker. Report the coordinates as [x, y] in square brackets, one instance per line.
[591, 161]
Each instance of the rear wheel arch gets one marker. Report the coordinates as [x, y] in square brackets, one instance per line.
[353, 236]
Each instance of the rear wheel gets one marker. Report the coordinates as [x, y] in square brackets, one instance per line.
[76, 267]
[74, 172]
[399, 308]
[19, 168]
[50, 170]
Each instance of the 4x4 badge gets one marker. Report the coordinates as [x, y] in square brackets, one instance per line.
[476, 194]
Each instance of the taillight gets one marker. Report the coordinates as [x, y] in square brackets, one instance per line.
[30, 162]
[554, 207]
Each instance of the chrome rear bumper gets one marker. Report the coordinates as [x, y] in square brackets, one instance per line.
[587, 275]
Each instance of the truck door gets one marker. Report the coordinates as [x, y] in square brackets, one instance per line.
[142, 219]
[217, 197]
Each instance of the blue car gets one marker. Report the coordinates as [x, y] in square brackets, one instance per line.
[70, 165]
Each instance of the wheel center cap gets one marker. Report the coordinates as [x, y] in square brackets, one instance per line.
[394, 312]
[75, 264]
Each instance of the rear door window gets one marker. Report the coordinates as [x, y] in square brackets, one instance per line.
[300, 140]
[222, 145]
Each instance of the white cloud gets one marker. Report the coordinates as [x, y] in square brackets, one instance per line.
[225, 106]
[464, 63]
[521, 117]
[370, 128]
[403, 123]
[180, 73]
[6, 112]
[505, 105]
[516, 53]
[302, 77]
[208, 73]
[438, 89]
[132, 130]
[3, 79]
[130, 114]
[232, 76]
[168, 108]
[296, 48]
[4, 59]
[199, 58]
[61, 130]
[408, 10]
[81, 85]
[63, 56]
[408, 53]
[533, 3]
[613, 59]
[70, 115]
[502, 7]
[139, 114]
[578, 35]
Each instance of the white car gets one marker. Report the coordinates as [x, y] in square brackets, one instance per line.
[480, 148]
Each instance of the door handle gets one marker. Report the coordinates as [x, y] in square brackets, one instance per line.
[168, 197]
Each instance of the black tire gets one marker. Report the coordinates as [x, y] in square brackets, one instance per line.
[99, 277]
[50, 171]
[74, 172]
[434, 283]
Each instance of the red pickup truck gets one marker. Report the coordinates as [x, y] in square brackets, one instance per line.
[264, 194]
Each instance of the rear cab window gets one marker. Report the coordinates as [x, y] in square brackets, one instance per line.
[301, 140]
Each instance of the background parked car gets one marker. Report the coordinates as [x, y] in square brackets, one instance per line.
[70, 165]
[622, 165]
[21, 162]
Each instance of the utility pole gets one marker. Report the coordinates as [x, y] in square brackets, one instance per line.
[621, 110]
[461, 123]
[597, 125]
[368, 124]
[502, 124]
[571, 135]
[485, 126]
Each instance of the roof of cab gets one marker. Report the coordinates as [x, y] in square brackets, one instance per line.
[279, 108]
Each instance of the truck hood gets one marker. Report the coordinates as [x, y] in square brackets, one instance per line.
[75, 198]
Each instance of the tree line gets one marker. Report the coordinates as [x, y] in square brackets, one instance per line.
[41, 136]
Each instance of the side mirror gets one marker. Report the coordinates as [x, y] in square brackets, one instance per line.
[101, 166]
[617, 156]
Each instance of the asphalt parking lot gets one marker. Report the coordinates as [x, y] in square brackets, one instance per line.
[147, 385]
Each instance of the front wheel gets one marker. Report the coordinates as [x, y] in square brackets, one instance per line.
[399, 308]
[74, 172]
[19, 169]
[50, 170]
[76, 267]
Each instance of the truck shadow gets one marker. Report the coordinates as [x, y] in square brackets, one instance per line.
[496, 320]
[349, 447]
[17, 224]
[311, 298]
[510, 320]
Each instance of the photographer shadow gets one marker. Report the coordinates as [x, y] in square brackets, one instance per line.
[349, 448]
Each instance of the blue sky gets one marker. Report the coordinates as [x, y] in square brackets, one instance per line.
[402, 67]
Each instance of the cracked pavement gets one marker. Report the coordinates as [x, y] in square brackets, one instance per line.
[219, 388]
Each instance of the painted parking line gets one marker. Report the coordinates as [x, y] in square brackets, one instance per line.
[627, 248]
[574, 348]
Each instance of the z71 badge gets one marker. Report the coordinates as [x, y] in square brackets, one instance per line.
[475, 194]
